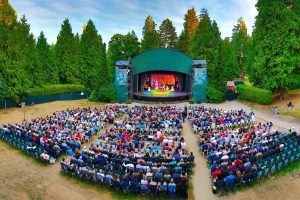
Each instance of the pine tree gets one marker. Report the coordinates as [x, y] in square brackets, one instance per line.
[90, 53]
[239, 41]
[104, 70]
[167, 34]
[206, 44]
[65, 55]
[12, 72]
[190, 25]
[276, 40]
[150, 36]
[46, 69]
[132, 45]
[230, 65]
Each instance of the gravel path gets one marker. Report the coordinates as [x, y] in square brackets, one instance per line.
[200, 178]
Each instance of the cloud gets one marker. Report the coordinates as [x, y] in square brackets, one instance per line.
[122, 16]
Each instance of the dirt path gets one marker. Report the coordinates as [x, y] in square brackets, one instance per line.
[200, 179]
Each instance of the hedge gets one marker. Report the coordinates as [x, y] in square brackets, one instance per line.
[214, 95]
[107, 94]
[54, 89]
[254, 94]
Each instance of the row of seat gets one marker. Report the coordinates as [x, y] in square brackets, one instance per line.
[27, 147]
[267, 166]
[123, 185]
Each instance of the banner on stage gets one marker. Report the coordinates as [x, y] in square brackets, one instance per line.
[121, 77]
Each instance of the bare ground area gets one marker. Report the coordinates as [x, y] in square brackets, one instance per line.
[23, 178]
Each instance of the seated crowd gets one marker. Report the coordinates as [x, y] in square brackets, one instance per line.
[144, 153]
[62, 130]
[239, 156]
[207, 118]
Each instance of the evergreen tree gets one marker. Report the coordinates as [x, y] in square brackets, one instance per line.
[206, 44]
[190, 25]
[46, 69]
[239, 41]
[8, 20]
[167, 34]
[230, 65]
[66, 55]
[276, 39]
[104, 70]
[3, 89]
[90, 53]
[14, 76]
[132, 45]
[150, 36]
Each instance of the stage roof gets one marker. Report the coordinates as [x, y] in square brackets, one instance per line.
[162, 60]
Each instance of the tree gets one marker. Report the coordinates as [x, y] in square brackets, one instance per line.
[122, 47]
[150, 36]
[90, 56]
[206, 44]
[105, 79]
[239, 41]
[3, 89]
[132, 45]
[276, 39]
[190, 25]
[46, 69]
[8, 20]
[167, 34]
[230, 65]
[66, 54]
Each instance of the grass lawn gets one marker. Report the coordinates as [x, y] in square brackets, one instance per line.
[293, 96]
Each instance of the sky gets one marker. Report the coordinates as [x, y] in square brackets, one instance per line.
[122, 16]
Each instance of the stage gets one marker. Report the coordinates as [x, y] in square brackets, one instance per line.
[163, 96]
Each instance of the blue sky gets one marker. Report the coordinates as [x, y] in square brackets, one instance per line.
[122, 16]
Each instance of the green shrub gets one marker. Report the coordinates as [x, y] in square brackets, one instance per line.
[54, 89]
[254, 94]
[191, 101]
[107, 94]
[214, 95]
[94, 96]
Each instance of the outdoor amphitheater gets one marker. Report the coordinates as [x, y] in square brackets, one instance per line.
[204, 112]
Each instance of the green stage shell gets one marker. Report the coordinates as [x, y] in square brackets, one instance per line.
[162, 60]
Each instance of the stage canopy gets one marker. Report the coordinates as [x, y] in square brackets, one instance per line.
[162, 60]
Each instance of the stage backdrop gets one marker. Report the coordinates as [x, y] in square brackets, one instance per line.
[158, 79]
[121, 82]
[199, 85]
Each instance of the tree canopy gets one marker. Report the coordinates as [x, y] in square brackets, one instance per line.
[276, 39]
[167, 34]
[270, 57]
[150, 38]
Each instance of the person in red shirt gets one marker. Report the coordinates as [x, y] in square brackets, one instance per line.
[78, 136]
[216, 173]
